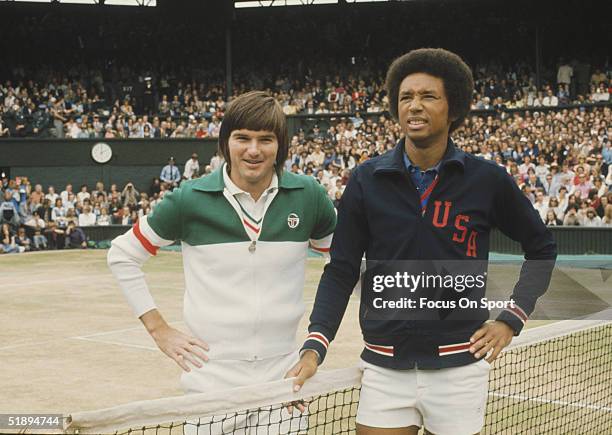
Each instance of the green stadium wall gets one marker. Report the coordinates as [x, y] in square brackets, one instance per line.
[57, 162]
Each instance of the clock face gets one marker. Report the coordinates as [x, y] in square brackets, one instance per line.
[101, 152]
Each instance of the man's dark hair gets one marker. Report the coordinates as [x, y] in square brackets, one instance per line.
[440, 63]
[255, 111]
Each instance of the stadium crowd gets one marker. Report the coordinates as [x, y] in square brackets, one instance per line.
[560, 159]
[130, 105]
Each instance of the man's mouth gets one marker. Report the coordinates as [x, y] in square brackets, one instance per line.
[416, 122]
[253, 162]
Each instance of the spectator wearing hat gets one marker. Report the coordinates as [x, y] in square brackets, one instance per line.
[170, 174]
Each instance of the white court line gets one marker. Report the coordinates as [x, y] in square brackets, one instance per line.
[554, 402]
[98, 334]
[117, 343]
[79, 337]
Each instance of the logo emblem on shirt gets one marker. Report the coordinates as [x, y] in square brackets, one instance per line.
[293, 220]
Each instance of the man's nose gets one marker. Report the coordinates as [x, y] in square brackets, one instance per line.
[415, 105]
[253, 147]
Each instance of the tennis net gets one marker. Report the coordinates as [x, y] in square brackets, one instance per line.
[556, 379]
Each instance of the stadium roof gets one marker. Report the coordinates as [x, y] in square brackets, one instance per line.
[145, 3]
[271, 3]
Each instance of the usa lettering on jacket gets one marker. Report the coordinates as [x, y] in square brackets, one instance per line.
[440, 220]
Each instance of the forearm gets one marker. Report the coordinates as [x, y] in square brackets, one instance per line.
[125, 259]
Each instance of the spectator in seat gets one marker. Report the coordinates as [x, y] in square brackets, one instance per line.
[606, 221]
[83, 194]
[591, 219]
[552, 219]
[75, 237]
[540, 204]
[87, 218]
[22, 240]
[7, 241]
[114, 209]
[66, 192]
[104, 218]
[51, 194]
[9, 213]
[40, 241]
[571, 217]
[125, 216]
[130, 195]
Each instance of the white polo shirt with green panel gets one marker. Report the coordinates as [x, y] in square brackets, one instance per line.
[244, 275]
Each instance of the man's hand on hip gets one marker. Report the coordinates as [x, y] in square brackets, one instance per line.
[180, 347]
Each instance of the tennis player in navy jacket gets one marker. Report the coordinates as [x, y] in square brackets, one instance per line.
[426, 200]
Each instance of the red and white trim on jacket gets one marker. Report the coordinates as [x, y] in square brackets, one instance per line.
[379, 349]
[450, 349]
[322, 250]
[150, 247]
[321, 245]
[317, 336]
[253, 227]
[518, 312]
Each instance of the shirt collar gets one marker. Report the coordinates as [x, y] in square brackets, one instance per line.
[412, 167]
[393, 161]
[235, 190]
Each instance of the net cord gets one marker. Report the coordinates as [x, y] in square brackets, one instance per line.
[193, 406]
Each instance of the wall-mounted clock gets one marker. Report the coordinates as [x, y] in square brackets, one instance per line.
[101, 152]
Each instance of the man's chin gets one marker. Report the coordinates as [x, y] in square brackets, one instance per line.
[419, 140]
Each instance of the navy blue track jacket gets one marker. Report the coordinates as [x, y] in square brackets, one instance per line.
[380, 215]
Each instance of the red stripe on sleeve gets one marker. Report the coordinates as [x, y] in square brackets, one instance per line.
[151, 248]
[319, 336]
[320, 249]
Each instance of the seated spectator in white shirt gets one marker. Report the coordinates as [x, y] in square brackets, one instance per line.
[591, 219]
[87, 218]
[35, 221]
[51, 195]
[83, 194]
[525, 166]
[600, 94]
[64, 194]
[550, 100]
[71, 201]
[541, 204]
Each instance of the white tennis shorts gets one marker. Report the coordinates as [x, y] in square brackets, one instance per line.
[218, 375]
[445, 401]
